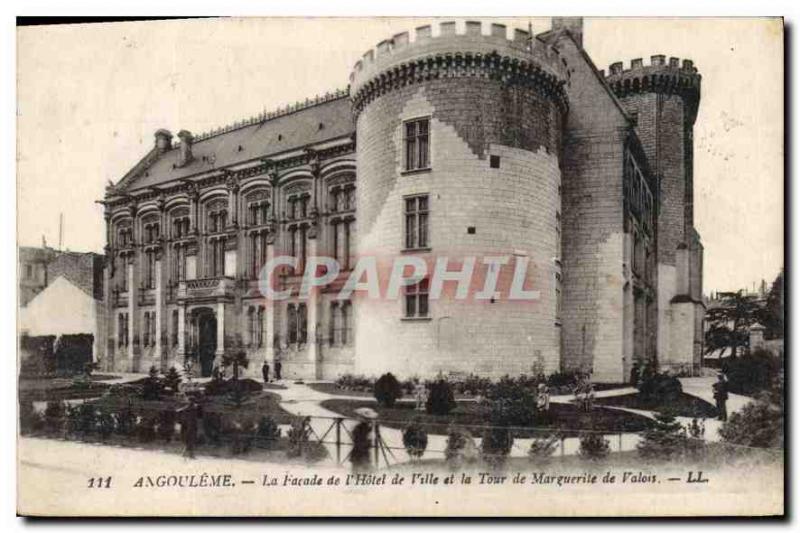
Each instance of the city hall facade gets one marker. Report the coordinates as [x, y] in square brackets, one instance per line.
[473, 140]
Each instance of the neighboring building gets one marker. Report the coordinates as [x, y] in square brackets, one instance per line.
[61, 292]
[459, 144]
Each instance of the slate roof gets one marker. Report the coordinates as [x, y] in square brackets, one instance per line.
[314, 124]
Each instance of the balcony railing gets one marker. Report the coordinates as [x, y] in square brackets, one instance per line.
[206, 287]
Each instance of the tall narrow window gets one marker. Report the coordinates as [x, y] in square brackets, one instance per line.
[332, 323]
[291, 323]
[416, 144]
[416, 213]
[260, 326]
[302, 320]
[175, 326]
[346, 253]
[345, 328]
[335, 239]
[417, 300]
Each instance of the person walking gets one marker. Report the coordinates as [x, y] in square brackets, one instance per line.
[278, 370]
[265, 371]
[720, 389]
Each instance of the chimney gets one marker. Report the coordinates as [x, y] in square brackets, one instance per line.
[163, 140]
[186, 148]
[574, 25]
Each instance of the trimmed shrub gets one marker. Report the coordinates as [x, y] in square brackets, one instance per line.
[594, 447]
[460, 448]
[55, 413]
[105, 425]
[298, 437]
[496, 445]
[172, 379]
[440, 398]
[212, 428]
[359, 455]
[219, 387]
[543, 448]
[665, 440]
[660, 387]
[81, 419]
[151, 386]
[267, 433]
[415, 439]
[512, 402]
[166, 425]
[29, 420]
[241, 434]
[126, 421]
[758, 424]
[752, 373]
[146, 429]
[387, 390]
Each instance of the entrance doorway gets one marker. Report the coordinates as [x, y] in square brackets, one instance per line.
[206, 340]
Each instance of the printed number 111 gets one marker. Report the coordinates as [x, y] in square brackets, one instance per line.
[100, 482]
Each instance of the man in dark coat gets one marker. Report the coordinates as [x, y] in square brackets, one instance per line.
[720, 389]
[278, 370]
[265, 371]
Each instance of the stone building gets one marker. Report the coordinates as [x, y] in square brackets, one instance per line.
[461, 143]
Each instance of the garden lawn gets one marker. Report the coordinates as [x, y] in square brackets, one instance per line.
[565, 419]
[333, 389]
[256, 406]
[45, 389]
[685, 405]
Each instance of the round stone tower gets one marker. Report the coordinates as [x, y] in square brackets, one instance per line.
[663, 99]
[458, 153]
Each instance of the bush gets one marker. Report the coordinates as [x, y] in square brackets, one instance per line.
[351, 382]
[105, 425]
[594, 447]
[387, 390]
[81, 419]
[512, 402]
[660, 388]
[415, 439]
[758, 424]
[460, 448]
[166, 425]
[172, 379]
[440, 398]
[54, 414]
[146, 429]
[220, 387]
[126, 421]
[242, 434]
[212, 428]
[298, 437]
[151, 386]
[267, 433]
[665, 440]
[359, 455]
[564, 382]
[752, 373]
[496, 445]
[29, 420]
[542, 449]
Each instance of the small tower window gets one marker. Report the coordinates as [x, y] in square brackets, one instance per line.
[494, 161]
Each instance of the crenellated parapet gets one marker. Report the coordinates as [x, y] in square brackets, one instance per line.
[401, 61]
[660, 76]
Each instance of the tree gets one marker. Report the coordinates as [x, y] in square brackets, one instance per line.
[772, 316]
[387, 390]
[666, 439]
[729, 323]
[758, 424]
[238, 359]
[415, 440]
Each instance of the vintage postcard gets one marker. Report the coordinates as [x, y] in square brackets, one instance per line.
[525, 267]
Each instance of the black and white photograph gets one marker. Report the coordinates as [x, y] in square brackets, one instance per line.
[401, 267]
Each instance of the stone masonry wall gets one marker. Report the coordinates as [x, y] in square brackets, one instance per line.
[513, 210]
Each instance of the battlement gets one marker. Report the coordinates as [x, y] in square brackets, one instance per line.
[661, 75]
[469, 48]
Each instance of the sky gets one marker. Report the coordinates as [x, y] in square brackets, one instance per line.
[91, 96]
